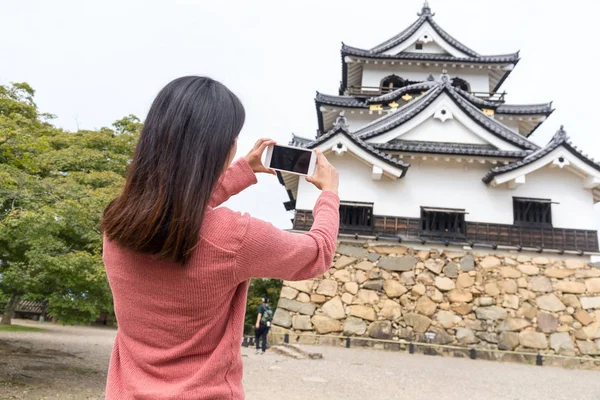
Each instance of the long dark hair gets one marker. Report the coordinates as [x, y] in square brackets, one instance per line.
[185, 143]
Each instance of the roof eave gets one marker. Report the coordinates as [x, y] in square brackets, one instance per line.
[458, 153]
[556, 143]
[319, 117]
[540, 124]
[344, 82]
[515, 141]
[447, 59]
[398, 164]
[505, 76]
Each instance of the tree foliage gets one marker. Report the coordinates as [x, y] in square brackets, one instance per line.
[258, 289]
[54, 186]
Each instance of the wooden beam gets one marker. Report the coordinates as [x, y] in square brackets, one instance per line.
[591, 183]
[377, 173]
[515, 183]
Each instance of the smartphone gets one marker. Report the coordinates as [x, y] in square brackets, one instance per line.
[294, 160]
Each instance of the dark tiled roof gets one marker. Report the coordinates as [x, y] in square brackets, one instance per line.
[491, 59]
[344, 101]
[478, 101]
[342, 127]
[424, 16]
[449, 148]
[526, 109]
[400, 116]
[299, 141]
[400, 37]
[396, 94]
[490, 124]
[410, 110]
[514, 109]
[560, 139]
[448, 38]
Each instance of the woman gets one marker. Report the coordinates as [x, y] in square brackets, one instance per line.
[178, 267]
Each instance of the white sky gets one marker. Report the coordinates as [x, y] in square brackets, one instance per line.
[94, 62]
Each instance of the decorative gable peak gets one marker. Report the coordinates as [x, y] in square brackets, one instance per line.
[559, 152]
[426, 10]
[560, 135]
[444, 77]
[341, 123]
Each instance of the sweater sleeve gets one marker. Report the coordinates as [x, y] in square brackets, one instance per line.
[238, 177]
[269, 252]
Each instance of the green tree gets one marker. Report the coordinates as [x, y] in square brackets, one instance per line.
[54, 186]
[258, 289]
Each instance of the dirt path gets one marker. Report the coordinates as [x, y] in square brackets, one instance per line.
[70, 363]
[59, 363]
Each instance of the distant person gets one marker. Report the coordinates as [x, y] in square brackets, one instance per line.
[178, 266]
[263, 324]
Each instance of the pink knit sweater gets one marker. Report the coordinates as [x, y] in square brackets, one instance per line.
[180, 328]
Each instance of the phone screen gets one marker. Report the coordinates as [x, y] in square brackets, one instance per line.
[289, 159]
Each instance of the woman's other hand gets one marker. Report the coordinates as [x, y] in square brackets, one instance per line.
[254, 157]
[326, 177]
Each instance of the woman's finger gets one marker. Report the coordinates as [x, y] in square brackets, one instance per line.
[261, 141]
[261, 148]
[320, 157]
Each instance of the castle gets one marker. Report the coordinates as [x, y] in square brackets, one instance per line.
[430, 152]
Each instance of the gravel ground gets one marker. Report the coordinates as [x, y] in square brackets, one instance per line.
[70, 363]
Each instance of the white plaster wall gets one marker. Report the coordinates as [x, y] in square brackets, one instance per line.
[463, 127]
[357, 121]
[374, 73]
[426, 29]
[511, 124]
[431, 48]
[434, 130]
[441, 184]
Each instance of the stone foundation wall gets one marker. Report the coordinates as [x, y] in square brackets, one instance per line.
[484, 301]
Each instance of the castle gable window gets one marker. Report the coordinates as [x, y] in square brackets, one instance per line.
[356, 216]
[461, 84]
[393, 82]
[537, 212]
[443, 222]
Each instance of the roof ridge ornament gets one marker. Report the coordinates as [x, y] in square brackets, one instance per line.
[561, 134]
[444, 78]
[341, 122]
[426, 10]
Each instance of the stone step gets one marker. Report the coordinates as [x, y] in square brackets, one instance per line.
[300, 350]
[288, 352]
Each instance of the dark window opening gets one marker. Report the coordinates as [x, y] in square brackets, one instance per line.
[394, 82]
[536, 212]
[461, 84]
[419, 46]
[356, 216]
[443, 222]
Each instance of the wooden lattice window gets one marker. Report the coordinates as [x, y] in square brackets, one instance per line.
[537, 212]
[419, 46]
[445, 222]
[354, 215]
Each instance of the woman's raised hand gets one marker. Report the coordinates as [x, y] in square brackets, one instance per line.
[254, 157]
[326, 177]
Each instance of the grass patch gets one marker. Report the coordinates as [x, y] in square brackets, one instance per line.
[18, 328]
